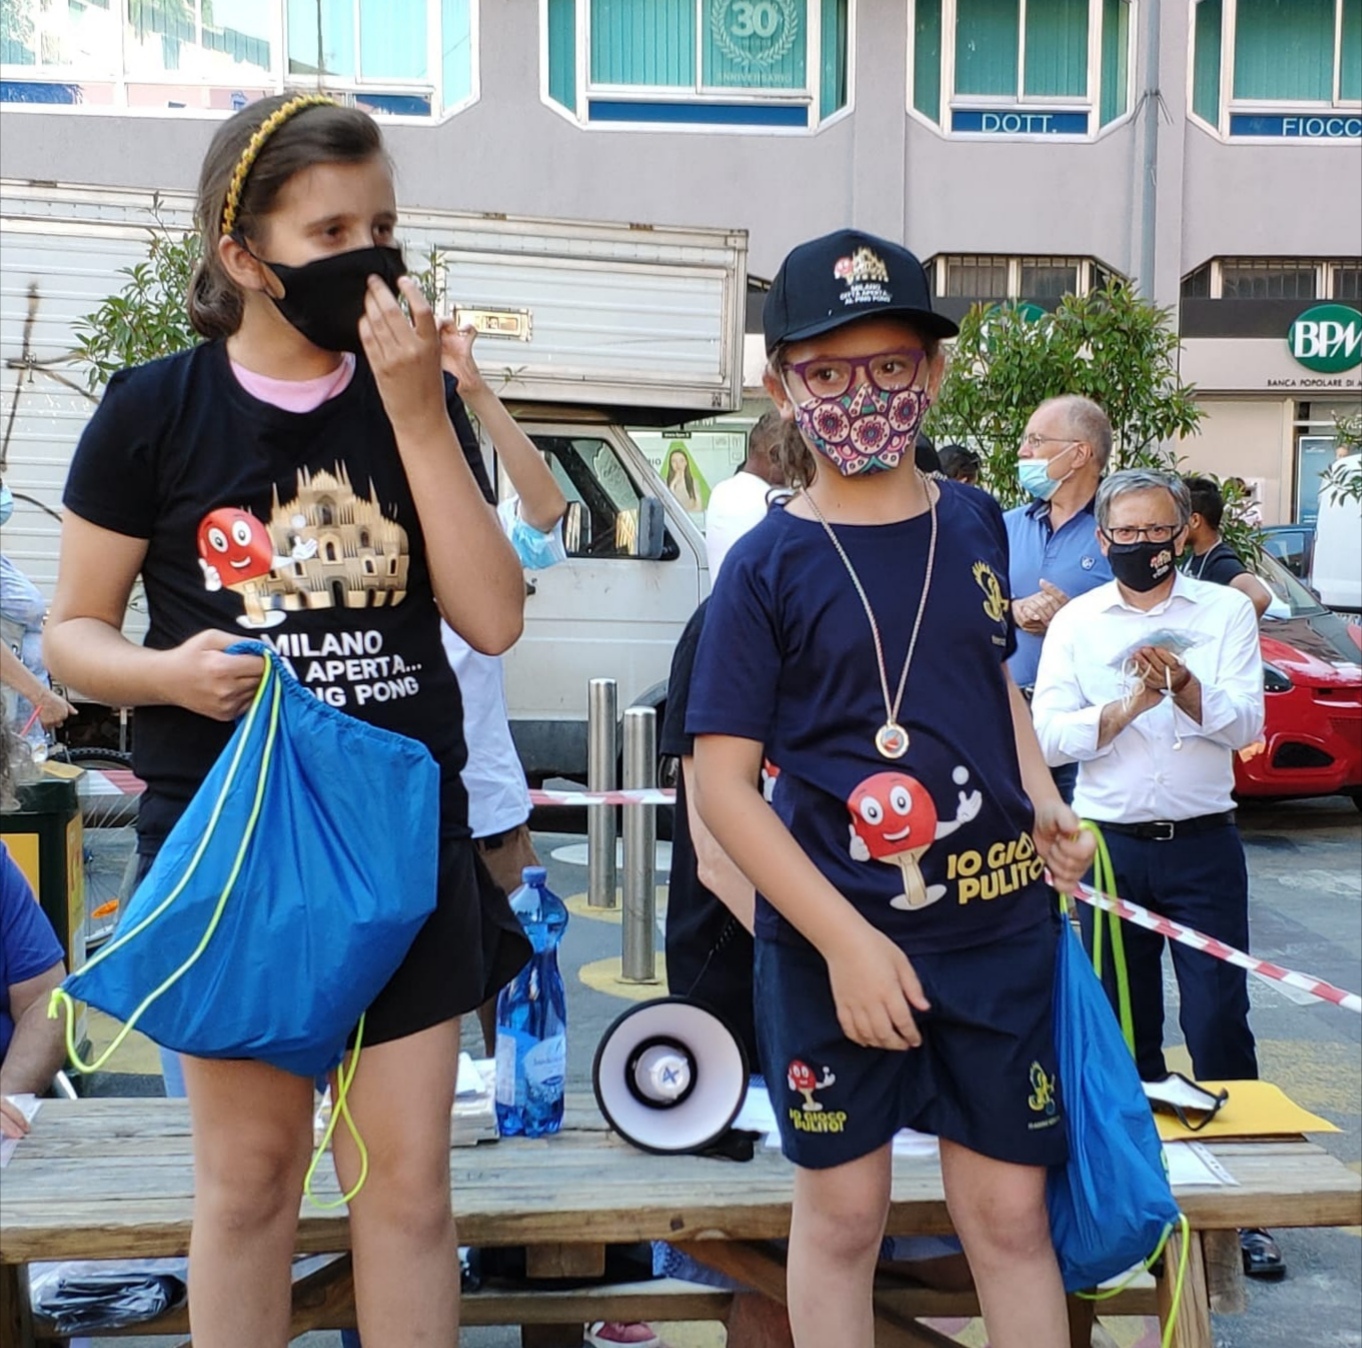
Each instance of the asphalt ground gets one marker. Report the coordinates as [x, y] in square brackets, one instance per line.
[1305, 865]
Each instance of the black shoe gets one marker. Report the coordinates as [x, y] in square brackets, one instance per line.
[1262, 1258]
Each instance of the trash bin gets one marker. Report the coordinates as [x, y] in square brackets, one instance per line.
[45, 838]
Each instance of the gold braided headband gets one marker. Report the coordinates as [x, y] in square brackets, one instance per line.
[264, 131]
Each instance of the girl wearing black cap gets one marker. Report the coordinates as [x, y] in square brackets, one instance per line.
[905, 937]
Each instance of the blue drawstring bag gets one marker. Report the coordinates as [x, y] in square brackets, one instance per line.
[284, 898]
[1111, 1206]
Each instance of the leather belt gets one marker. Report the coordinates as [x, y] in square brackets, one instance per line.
[1165, 830]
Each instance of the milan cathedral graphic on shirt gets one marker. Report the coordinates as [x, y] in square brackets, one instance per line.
[329, 547]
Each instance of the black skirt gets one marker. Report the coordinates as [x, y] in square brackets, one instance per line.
[470, 947]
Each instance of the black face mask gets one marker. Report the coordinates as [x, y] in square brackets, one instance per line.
[1141, 566]
[324, 299]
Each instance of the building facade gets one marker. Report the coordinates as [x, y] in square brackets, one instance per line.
[1209, 150]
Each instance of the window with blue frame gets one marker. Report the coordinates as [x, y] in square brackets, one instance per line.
[1021, 67]
[406, 57]
[752, 63]
[1279, 68]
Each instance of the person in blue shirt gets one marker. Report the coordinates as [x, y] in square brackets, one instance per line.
[1053, 540]
[905, 939]
[31, 1046]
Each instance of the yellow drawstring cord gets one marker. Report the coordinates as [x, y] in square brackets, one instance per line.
[345, 1074]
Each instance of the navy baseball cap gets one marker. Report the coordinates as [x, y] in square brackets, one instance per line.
[841, 277]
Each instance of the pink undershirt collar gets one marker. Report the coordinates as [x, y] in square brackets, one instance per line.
[297, 395]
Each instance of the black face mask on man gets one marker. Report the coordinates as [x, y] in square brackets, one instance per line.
[1141, 566]
[324, 299]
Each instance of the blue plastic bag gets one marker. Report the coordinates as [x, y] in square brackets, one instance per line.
[286, 896]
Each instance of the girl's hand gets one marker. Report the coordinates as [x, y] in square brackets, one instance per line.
[875, 990]
[201, 677]
[1065, 847]
[404, 353]
[456, 356]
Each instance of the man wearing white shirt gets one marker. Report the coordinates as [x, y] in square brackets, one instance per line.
[1150, 683]
[739, 502]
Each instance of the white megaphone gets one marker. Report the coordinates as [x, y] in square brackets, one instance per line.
[670, 1076]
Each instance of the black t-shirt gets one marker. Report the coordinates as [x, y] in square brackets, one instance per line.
[709, 952]
[297, 529]
[1219, 565]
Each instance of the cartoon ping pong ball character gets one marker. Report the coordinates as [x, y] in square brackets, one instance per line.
[801, 1079]
[895, 819]
[235, 545]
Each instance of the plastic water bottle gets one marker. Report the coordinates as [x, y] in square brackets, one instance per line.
[532, 1019]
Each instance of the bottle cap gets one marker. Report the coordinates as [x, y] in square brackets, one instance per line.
[534, 875]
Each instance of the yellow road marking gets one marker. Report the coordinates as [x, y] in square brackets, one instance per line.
[606, 976]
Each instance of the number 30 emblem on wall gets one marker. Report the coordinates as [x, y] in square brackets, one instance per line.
[754, 32]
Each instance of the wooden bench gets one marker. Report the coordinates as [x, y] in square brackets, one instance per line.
[109, 1179]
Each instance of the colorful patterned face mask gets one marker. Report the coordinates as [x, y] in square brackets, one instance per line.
[864, 430]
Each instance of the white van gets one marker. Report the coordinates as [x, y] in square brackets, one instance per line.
[1336, 572]
[585, 327]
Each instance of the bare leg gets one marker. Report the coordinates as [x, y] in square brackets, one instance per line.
[835, 1233]
[999, 1212]
[252, 1140]
[401, 1224]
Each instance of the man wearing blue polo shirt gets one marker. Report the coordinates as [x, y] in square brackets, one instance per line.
[1053, 540]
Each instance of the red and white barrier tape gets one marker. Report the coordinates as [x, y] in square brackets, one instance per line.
[1142, 917]
[650, 796]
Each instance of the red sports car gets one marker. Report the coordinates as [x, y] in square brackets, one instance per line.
[1312, 676]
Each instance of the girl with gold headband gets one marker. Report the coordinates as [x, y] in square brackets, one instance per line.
[307, 473]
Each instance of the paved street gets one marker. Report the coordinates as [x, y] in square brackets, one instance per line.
[1305, 860]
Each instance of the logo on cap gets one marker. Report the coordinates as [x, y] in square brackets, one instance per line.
[864, 273]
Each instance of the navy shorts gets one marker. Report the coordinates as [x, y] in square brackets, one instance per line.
[985, 1075]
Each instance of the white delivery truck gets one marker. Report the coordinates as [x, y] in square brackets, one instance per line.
[585, 327]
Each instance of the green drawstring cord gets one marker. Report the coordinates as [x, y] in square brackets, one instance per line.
[61, 1000]
[1104, 882]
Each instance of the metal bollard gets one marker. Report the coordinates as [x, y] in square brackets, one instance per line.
[639, 959]
[602, 753]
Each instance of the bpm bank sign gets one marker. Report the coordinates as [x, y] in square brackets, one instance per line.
[1327, 339]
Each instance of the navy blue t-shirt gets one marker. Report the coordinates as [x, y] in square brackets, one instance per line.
[934, 849]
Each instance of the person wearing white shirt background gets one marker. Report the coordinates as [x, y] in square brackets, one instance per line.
[740, 501]
[498, 795]
[1150, 683]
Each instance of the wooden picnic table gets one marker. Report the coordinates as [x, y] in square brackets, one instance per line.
[112, 1178]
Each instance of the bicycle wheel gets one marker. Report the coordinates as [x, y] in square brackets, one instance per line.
[108, 793]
